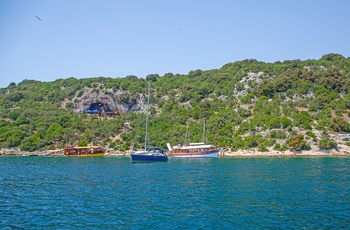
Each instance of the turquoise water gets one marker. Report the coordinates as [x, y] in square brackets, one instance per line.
[220, 193]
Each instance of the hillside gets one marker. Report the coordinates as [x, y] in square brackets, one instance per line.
[291, 105]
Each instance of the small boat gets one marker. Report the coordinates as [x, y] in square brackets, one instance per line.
[148, 154]
[193, 150]
[84, 151]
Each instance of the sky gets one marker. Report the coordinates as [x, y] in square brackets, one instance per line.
[46, 40]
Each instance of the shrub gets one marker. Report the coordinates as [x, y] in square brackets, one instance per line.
[280, 148]
[278, 134]
[326, 144]
[263, 148]
[310, 134]
[297, 142]
[277, 146]
[82, 143]
[285, 122]
[339, 124]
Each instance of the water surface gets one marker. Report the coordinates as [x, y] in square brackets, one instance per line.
[220, 193]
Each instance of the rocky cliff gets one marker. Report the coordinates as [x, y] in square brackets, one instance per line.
[119, 102]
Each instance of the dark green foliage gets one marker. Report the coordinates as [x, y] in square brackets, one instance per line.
[303, 119]
[244, 112]
[278, 134]
[82, 143]
[339, 124]
[286, 122]
[251, 141]
[310, 134]
[298, 143]
[247, 99]
[14, 114]
[280, 147]
[326, 144]
[263, 148]
[30, 143]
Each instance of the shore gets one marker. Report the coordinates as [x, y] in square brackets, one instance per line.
[344, 151]
[57, 152]
[288, 153]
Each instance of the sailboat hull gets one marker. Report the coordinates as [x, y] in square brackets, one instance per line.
[148, 157]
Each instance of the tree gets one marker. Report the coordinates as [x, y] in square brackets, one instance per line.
[14, 114]
[152, 77]
[53, 133]
[29, 143]
[297, 143]
[13, 141]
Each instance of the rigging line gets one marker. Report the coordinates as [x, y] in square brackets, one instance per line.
[146, 138]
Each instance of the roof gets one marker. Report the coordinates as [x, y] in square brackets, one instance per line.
[194, 147]
[85, 147]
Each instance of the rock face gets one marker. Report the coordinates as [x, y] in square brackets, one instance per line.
[89, 96]
[18, 152]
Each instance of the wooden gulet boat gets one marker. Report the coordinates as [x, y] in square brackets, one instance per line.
[84, 151]
[193, 150]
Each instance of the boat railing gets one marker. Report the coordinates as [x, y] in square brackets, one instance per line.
[198, 143]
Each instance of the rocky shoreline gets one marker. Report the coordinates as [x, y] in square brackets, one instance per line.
[254, 153]
[57, 152]
[240, 153]
[343, 150]
[18, 152]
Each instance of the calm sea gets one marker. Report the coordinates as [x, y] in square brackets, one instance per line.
[221, 193]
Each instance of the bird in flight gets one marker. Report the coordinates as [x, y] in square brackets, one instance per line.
[38, 18]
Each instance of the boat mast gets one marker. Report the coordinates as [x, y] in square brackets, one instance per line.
[203, 135]
[186, 138]
[147, 108]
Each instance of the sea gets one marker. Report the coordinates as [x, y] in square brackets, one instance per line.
[208, 193]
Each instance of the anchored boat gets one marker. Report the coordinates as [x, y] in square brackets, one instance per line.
[193, 150]
[152, 154]
[84, 151]
[148, 154]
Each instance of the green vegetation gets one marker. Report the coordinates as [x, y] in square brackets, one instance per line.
[246, 104]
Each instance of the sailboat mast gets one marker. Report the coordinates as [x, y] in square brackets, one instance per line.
[147, 108]
[203, 135]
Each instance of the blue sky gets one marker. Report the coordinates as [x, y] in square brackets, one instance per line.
[114, 38]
